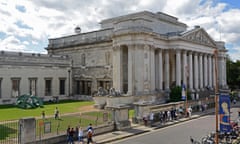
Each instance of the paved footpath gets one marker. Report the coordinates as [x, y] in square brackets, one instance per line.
[136, 129]
[139, 129]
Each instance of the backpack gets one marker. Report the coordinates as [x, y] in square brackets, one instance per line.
[89, 134]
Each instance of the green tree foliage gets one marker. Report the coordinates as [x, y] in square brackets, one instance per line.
[176, 94]
[233, 74]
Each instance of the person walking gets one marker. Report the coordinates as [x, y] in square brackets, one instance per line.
[56, 113]
[145, 119]
[43, 115]
[68, 134]
[71, 134]
[89, 136]
[80, 135]
[90, 127]
[190, 112]
[151, 118]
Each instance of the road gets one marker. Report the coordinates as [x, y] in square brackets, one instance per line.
[178, 134]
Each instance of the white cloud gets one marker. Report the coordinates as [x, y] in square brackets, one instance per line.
[11, 44]
[54, 19]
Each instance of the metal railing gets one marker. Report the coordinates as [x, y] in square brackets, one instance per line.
[9, 132]
[51, 127]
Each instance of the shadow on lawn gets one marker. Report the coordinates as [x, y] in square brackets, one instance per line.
[8, 131]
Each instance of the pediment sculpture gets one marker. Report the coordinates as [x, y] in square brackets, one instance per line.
[200, 37]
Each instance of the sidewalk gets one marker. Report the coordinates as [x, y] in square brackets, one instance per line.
[139, 129]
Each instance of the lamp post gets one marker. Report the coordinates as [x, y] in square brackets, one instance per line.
[216, 93]
[69, 80]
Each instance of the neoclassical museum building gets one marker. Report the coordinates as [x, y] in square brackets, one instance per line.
[138, 54]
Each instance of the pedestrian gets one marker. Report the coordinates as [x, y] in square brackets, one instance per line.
[89, 136]
[56, 113]
[161, 117]
[168, 115]
[90, 127]
[80, 135]
[151, 118]
[205, 107]
[76, 132]
[71, 134]
[68, 134]
[234, 101]
[190, 112]
[43, 115]
[145, 119]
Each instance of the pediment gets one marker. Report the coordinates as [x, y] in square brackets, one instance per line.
[199, 36]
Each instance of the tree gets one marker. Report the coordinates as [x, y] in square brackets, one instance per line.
[176, 94]
[233, 73]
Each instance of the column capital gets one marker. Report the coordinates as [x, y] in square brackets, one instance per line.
[201, 54]
[160, 49]
[116, 47]
[196, 53]
[178, 50]
[165, 50]
[190, 52]
[184, 51]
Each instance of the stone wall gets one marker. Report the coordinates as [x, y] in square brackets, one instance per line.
[26, 66]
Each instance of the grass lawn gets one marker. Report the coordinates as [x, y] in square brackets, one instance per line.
[15, 113]
[10, 130]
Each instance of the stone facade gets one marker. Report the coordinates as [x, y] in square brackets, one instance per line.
[144, 54]
[140, 54]
[35, 74]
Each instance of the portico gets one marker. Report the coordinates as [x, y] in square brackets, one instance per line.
[145, 53]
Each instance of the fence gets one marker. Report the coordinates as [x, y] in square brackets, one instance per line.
[9, 132]
[51, 127]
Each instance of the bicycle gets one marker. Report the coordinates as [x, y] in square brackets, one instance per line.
[194, 141]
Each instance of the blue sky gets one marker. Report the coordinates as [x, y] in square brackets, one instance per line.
[26, 25]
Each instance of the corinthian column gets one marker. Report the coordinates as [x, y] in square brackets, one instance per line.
[210, 72]
[205, 70]
[130, 69]
[166, 69]
[196, 86]
[185, 68]
[160, 80]
[152, 68]
[117, 68]
[178, 67]
[190, 71]
[201, 71]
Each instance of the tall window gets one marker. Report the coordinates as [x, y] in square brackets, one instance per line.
[62, 86]
[33, 86]
[83, 87]
[15, 87]
[48, 87]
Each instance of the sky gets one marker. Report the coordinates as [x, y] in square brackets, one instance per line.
[26, 25]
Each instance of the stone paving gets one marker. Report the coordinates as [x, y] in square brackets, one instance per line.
[139, 129]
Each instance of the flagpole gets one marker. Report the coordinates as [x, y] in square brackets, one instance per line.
[216, 93]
